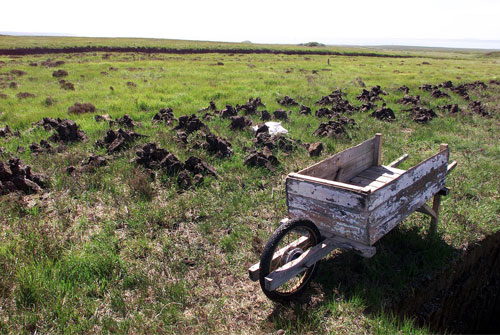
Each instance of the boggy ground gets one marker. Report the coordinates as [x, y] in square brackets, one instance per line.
[120, 248]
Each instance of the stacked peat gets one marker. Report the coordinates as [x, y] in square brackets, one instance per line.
[17, 177]
[165, 115]
[117, 140]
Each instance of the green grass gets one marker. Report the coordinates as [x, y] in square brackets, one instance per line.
[113, 252]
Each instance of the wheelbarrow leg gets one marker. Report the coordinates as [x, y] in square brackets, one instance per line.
[436, 203]
[435, 219]
[434, 212]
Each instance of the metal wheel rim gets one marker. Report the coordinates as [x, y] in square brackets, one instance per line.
[295, 283]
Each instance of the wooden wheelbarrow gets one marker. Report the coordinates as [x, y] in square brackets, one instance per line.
[347, 201]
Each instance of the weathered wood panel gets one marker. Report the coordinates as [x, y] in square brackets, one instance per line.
[373, 184]
[377, 150]
[377, 231]
[378, 175]
[350, 169]
[349, 216]
[388, 169]
[417, 193]
[330, 183]
[397, 161]
[408, 178]
[328, 168]
[335, 196]
[328, 226]
[395, 201]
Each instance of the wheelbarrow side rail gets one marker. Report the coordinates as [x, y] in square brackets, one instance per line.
[281, 275]
[253, 271]
[308, 258]
[410, 191]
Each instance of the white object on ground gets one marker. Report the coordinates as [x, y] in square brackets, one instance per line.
[274, 128]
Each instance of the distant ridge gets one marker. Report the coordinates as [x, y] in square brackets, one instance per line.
[15, 33]
[41, 50]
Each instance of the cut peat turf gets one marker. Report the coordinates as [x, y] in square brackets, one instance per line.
[165, 115]
[17, 177]
[190, 124]
[384, 114]
[462, 299]
[66, 130]
[422, 115]
[5, 131]
[333, 129]
[81, 108]
[240, 122]
[287, 101]
[89, 165]
[263, 158]
[218, 146]
[117, 140]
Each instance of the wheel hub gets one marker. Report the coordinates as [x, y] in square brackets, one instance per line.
[293, 254]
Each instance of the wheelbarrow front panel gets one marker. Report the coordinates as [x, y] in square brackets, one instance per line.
[321, 193]
[335, 211]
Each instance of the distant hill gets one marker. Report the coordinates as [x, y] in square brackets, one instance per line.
[15, 33]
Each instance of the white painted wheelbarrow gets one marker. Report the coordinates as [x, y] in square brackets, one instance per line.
[347, 201]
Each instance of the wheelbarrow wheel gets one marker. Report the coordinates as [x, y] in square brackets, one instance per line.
[280, 250]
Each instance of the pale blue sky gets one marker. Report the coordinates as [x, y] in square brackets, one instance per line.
[331, 22]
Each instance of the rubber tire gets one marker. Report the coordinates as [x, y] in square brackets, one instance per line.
[267, 254]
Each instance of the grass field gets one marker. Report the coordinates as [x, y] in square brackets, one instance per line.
[112, 251]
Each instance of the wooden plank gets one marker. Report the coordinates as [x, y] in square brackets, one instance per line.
[436, 203]
[377, 150]
[281, 275]
[361, 181]
[329, 193]
[451, 166]
[253, 271]
[426, 187]
[396, 162]
[368, 188]
[408, 178]
[387, 169]
[334, 184]
[349, 216]
[444, 147]
[359, 248]
[354, 167]
[327, 168]
[327, 226]
[378, 231]
[406, 194]
[377, 176]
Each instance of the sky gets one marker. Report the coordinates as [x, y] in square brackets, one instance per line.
[472, 23]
